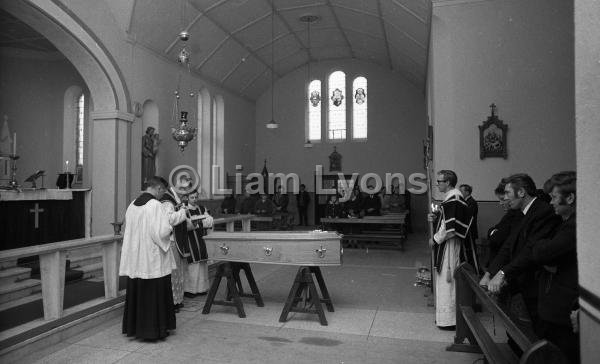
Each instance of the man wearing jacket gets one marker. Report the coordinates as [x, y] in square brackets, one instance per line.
[538, 222]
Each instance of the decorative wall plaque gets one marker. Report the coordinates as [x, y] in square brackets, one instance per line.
[492, 137]
[335, 161]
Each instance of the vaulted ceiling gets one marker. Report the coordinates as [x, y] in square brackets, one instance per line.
[231, 41]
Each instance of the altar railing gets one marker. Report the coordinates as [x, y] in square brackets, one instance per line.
[53, 263]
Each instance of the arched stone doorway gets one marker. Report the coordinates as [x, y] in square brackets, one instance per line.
[110, 115]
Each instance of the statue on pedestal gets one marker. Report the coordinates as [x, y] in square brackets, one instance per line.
[150, 142]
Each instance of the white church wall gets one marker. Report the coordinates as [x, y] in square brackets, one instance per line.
[587, 88]
[395, 133]
[518, 55]
[32, 92]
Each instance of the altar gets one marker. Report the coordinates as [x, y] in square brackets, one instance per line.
[41, 216]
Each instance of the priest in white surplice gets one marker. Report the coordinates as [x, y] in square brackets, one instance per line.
[147, 261]
[451, 245]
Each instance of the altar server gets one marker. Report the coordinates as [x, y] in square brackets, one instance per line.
[451, 244]
[147, 261]
[196, 278]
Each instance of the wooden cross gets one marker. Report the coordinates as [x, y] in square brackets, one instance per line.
[36, 211]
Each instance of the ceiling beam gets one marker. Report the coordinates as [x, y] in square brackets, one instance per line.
[211, 53]
[406, 9]
[232, 71]
[410, 37]
[196, 18]
[385, 38]
[288, 27]
[233, 37]
[339, 25]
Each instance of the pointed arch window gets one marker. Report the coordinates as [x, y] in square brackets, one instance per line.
[79, 138]
[336, 123]
[359, 108]
[314, 110]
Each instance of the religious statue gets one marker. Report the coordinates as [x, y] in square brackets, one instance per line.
[335, 161]
[150, 142]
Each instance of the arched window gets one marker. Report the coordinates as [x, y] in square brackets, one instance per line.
[204, 142]
[336, 125]
[359, 108]
[79, 138]
[218, 142]
[74, 134]
[314, 110]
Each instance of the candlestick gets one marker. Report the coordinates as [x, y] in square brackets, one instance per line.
[67, 169]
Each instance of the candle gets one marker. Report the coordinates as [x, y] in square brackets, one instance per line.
[15, 144]
[67, 169]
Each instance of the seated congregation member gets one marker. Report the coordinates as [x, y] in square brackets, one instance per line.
[450, 246]
[179, 244]
[147, 262]
[302, 201]
[372, 204]
[228, 204]
[467, 192]
[397, 202]
[196, 277]
[498, 233]
[558, 281]
[247, 203]
[333, 209]
[537, 223]
[264, 206]
[281, 201]
[354, 206]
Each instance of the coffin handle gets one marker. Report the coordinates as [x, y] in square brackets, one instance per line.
[224, 249]
[268, 251]
[321, 251]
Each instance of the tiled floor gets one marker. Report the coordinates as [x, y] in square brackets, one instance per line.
[380, 317]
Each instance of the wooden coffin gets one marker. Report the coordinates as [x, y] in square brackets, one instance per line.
[306, 248]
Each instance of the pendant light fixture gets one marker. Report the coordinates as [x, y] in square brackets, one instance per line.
[314, 97]
[272, 124]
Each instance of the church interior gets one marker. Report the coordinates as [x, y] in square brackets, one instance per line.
[97, 97]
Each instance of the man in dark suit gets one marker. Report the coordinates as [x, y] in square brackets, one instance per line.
[498, 233]
[538, 222]
[467, 191]
[558, 281]
[302, 201]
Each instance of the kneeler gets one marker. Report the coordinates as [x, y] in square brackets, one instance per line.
[304, 289]
[231, 271]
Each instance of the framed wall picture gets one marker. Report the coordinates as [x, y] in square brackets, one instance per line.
[492, 137]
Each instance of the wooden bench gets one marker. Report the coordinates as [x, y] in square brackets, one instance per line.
[396, 239]
[469, 327]
[389, 228]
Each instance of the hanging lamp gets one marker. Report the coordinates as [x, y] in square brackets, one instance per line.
[272, 124]
[183, 133]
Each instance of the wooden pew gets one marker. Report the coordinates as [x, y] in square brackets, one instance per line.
[389, 228]
[470, 328]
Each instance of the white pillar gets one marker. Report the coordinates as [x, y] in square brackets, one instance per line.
[110, 168]
[52, 272]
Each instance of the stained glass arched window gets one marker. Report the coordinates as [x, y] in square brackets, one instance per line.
[359, 108]
[336, 94]
[314, 110]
